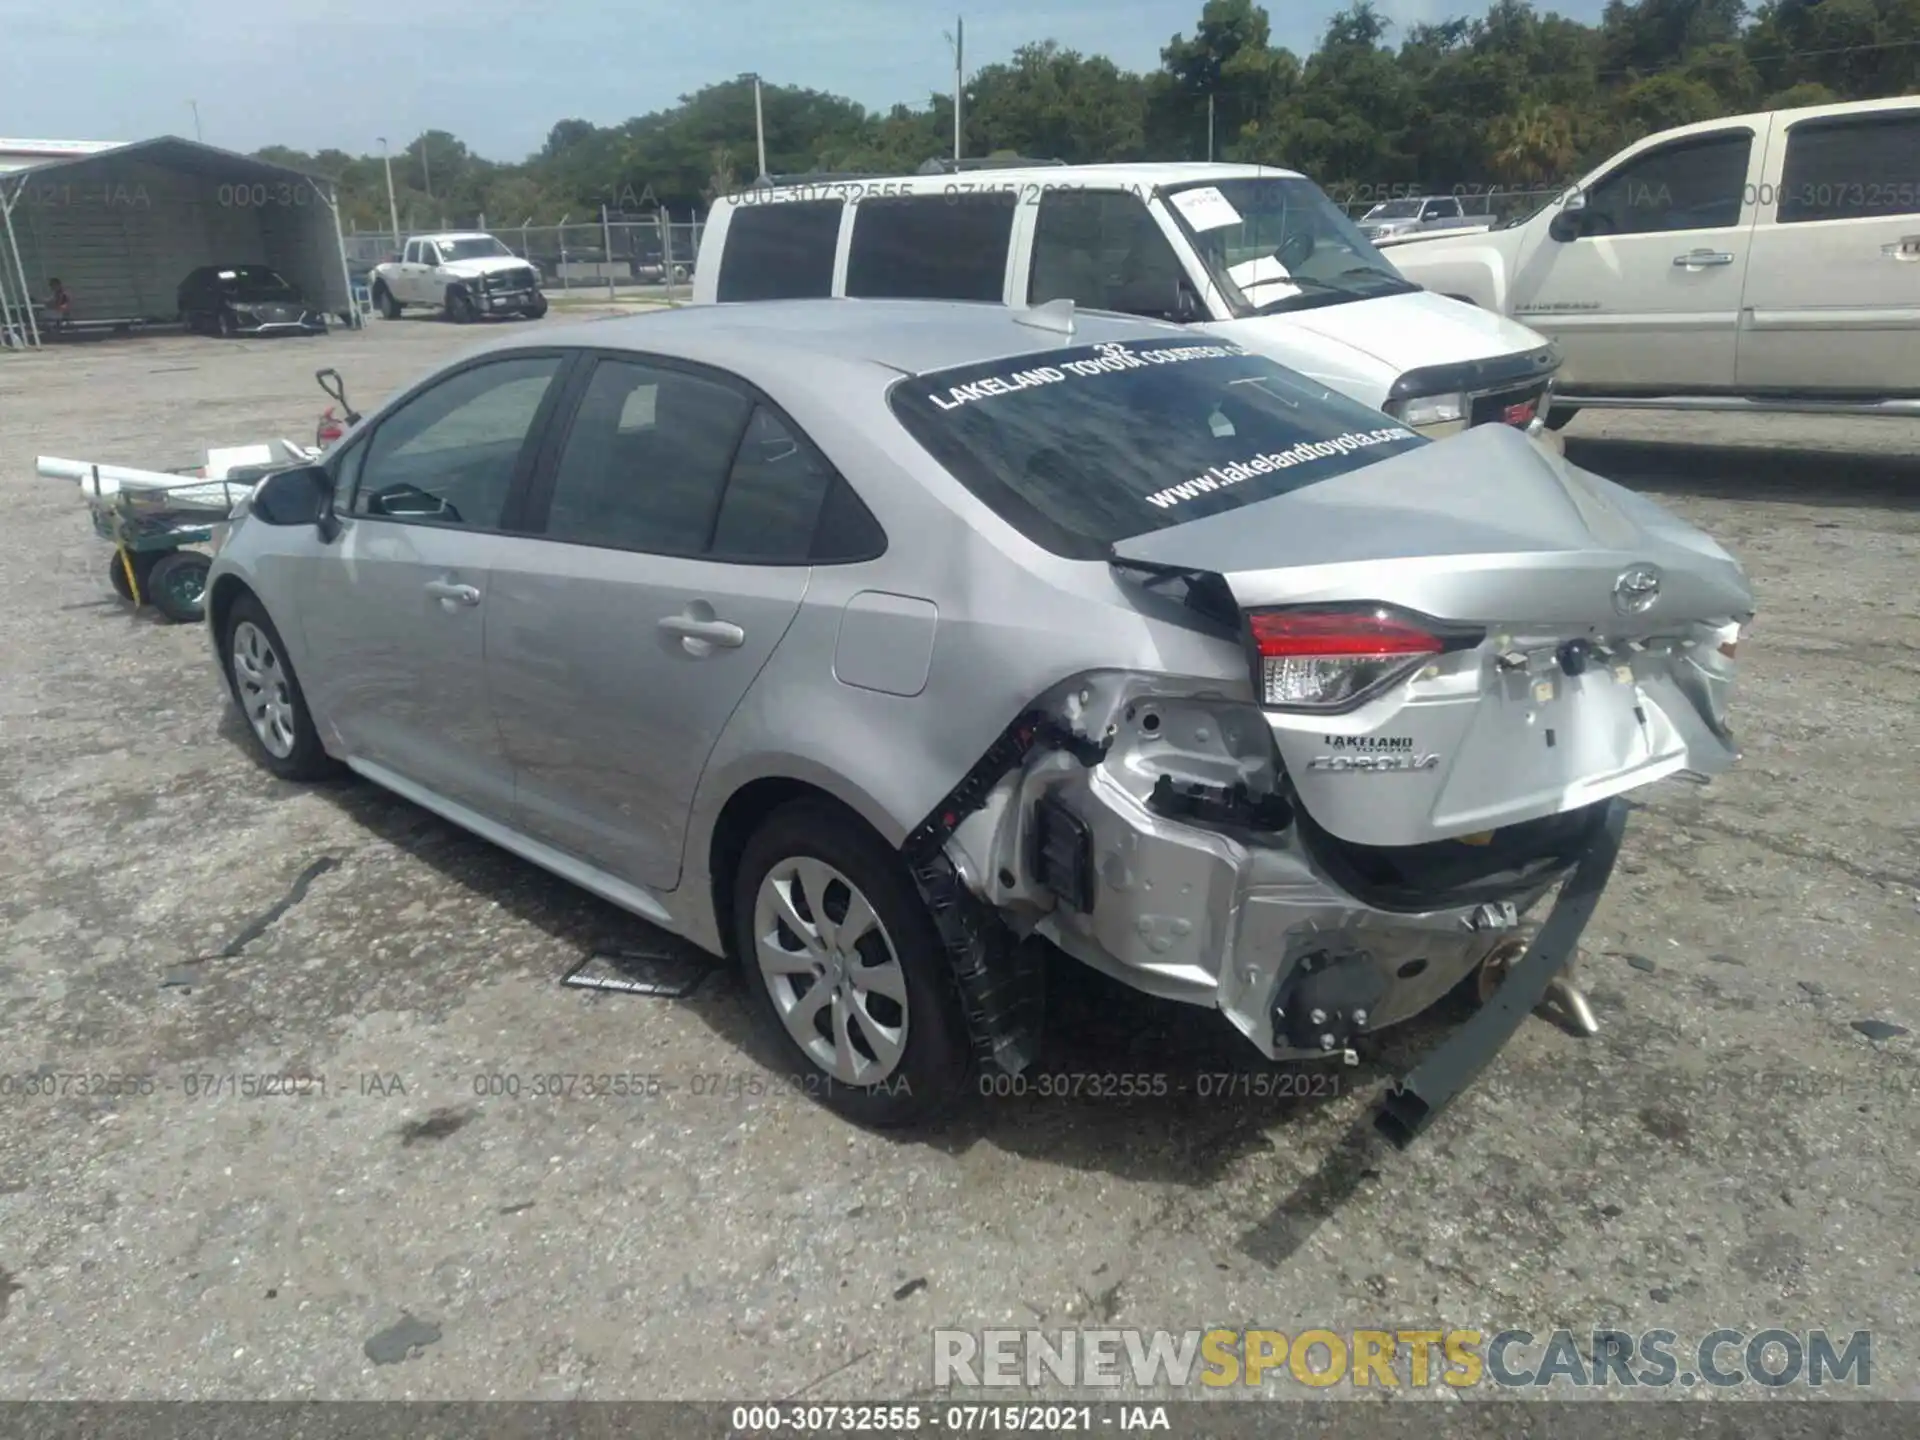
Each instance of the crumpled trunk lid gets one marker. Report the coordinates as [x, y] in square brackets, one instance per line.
[1487, 530]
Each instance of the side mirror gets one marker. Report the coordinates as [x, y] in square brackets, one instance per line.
[1157, 299]
[1569, 222]
[300, 496]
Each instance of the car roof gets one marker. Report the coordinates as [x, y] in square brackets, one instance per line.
[454, 235]
[1118, 175]
[766, 340]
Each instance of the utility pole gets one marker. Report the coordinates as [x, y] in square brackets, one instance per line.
[1209, 127]
[194, 105]
[426, 171]
[759, 127]
[959, 77]
[393, 209]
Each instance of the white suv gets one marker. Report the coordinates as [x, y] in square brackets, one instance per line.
[1762, 262]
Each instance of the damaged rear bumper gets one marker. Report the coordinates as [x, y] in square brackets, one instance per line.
[1144, 856]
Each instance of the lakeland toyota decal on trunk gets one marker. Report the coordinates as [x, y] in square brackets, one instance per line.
[1234, 472]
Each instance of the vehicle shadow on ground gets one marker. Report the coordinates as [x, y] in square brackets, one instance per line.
[1125, 1085]
[1737, 472]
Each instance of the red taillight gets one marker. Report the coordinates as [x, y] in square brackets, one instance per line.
[1311, 659]
[1330, 632]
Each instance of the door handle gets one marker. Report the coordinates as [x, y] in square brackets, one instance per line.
[1694, 259]
[713, 632]
[450, 594]
[1907, 247]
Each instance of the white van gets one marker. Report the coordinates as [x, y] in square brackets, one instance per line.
[1250, 253]
[1761, 262]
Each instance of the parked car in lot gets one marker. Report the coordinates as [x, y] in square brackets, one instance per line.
[465, 275]
[1252, 254]
[862, 640]
[1395, 220]
[1762, 262]
[245, 300]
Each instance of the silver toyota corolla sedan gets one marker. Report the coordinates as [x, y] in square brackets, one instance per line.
[896, 647]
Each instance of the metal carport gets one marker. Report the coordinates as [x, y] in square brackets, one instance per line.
[122, 227]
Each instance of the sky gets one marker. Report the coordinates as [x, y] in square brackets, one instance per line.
[499, 73]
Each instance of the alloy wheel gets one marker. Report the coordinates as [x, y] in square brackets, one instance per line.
[832, 970]
[261, 681]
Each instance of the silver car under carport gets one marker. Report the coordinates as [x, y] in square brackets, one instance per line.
[892, 646]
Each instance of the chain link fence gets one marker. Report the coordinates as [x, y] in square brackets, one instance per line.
[633, 253]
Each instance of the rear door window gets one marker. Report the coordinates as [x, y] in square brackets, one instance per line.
[645, 460]
[932, 247]
[780, 250]
[1082, 447]
[1855, 167]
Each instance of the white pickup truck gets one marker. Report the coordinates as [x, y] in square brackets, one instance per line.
[464, 274]
[1761, 262]
[1393, 222]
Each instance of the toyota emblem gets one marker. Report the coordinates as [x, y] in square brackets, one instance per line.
[1636, 590]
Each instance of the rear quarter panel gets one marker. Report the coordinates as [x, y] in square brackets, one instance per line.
[1012, 622]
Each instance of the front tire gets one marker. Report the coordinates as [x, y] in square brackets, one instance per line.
[279, 726]
[847, 972]
[461, 309]
[537, 309]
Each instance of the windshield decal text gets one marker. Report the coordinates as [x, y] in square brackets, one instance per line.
[1220, 477]
[1106, 360]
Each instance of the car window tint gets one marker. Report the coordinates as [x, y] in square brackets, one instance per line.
[1103, 250]
[779, 250]
[773, 496]
[1100, 443]
[1691, 185]
[934, 247]
[1852, 168]
[645, 460]
[448, 456]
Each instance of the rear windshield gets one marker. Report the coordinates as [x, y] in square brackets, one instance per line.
[1082, 447]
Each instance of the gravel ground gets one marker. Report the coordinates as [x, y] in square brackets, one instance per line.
[1731, 1149]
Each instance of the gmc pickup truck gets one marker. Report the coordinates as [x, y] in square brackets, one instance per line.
[1761, 262]
[464, 274]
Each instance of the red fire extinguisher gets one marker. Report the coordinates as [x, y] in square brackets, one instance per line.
[329, 430]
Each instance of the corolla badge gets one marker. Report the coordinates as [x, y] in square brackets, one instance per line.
[1636, 590]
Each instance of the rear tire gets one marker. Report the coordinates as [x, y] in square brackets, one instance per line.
[388, 306]
[177, 586]
[280, 730]
[870, 1023]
